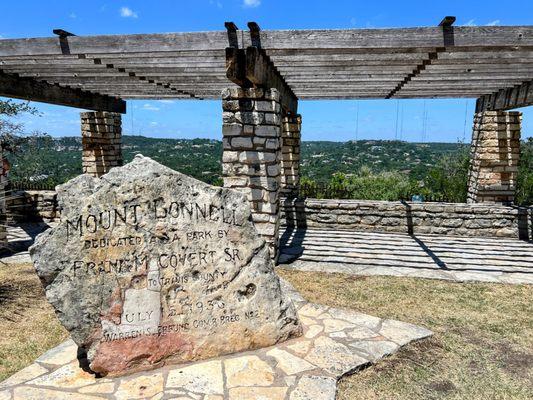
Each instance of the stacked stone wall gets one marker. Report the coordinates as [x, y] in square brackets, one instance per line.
[252, 153]
[290, 155]
[481, 220]
[101, 137]
[495, 154]
[32, 205]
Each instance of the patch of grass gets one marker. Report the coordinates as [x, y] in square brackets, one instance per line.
[482, 346]
[28, 324]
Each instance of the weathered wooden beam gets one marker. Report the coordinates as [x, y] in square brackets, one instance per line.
[507, 99]
[263, 73]
[31, 89]
[464, 36]
[290, 39]
[236, 66]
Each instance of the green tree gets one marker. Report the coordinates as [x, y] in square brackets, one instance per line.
[448, 180]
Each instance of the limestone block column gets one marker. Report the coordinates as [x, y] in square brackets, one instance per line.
[252, 153]
[494, 157]
[101, 137]
[290, 155]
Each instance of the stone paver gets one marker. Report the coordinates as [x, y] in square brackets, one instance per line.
[460, 259]
[335, 342]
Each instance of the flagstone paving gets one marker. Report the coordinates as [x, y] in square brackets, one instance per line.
[460, 259]
[336, 342]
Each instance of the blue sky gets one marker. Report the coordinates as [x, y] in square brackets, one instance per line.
[322, 120]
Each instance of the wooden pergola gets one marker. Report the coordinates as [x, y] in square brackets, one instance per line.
[261, 75]
[491, 63]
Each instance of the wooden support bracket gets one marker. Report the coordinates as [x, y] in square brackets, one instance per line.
[507, 99]
[252, 67]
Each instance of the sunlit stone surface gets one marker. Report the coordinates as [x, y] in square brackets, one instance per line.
[149, 266]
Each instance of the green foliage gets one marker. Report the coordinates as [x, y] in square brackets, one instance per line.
[55, 160]
[320, 160]
[373, 170]
[524, 192]
[449, 178]
[12, 136]
[10, 108]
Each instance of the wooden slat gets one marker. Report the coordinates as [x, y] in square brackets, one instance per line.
[30, 89]
[320, 64]
[508, 98]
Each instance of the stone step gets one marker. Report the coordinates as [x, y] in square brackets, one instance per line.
[395, 236]
[497, 252]
[363, 248]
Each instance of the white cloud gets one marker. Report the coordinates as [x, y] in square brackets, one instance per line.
[251, 3]
[127, 12]
[494, 23]
[470, 23]
[353, 21]
[166, 101]
[218, 3]
[150, 107]
[72, 15]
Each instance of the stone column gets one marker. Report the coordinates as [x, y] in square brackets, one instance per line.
[494, 157]
[290, 155]
[252, 153]
[3, 209]
[101, 136]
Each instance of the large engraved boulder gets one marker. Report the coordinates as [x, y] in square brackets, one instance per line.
[149, 266]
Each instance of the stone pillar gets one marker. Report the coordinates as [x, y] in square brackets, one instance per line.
[101, 136]
[494, 157]
[3, 208]
[252, 153]
[290, 155]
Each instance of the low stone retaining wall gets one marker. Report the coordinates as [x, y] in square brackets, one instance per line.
[32, 205]
[482, 220]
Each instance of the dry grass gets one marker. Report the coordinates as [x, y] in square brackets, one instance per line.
[482, 347]
[28, 325]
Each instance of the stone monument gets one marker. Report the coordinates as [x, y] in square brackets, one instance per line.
[149, 266]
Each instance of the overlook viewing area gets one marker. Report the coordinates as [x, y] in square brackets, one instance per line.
[260, 76]
[138, 278]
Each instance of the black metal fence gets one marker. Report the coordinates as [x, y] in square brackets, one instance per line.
[26, 184]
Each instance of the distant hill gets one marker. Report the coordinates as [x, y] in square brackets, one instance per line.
[322, 159]
[58, 159]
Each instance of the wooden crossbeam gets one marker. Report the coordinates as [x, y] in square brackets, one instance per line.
[31, 89]
[507, 99]
[448, 40]
[136, 77]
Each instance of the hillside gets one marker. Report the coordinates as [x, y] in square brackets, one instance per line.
[56, 160]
